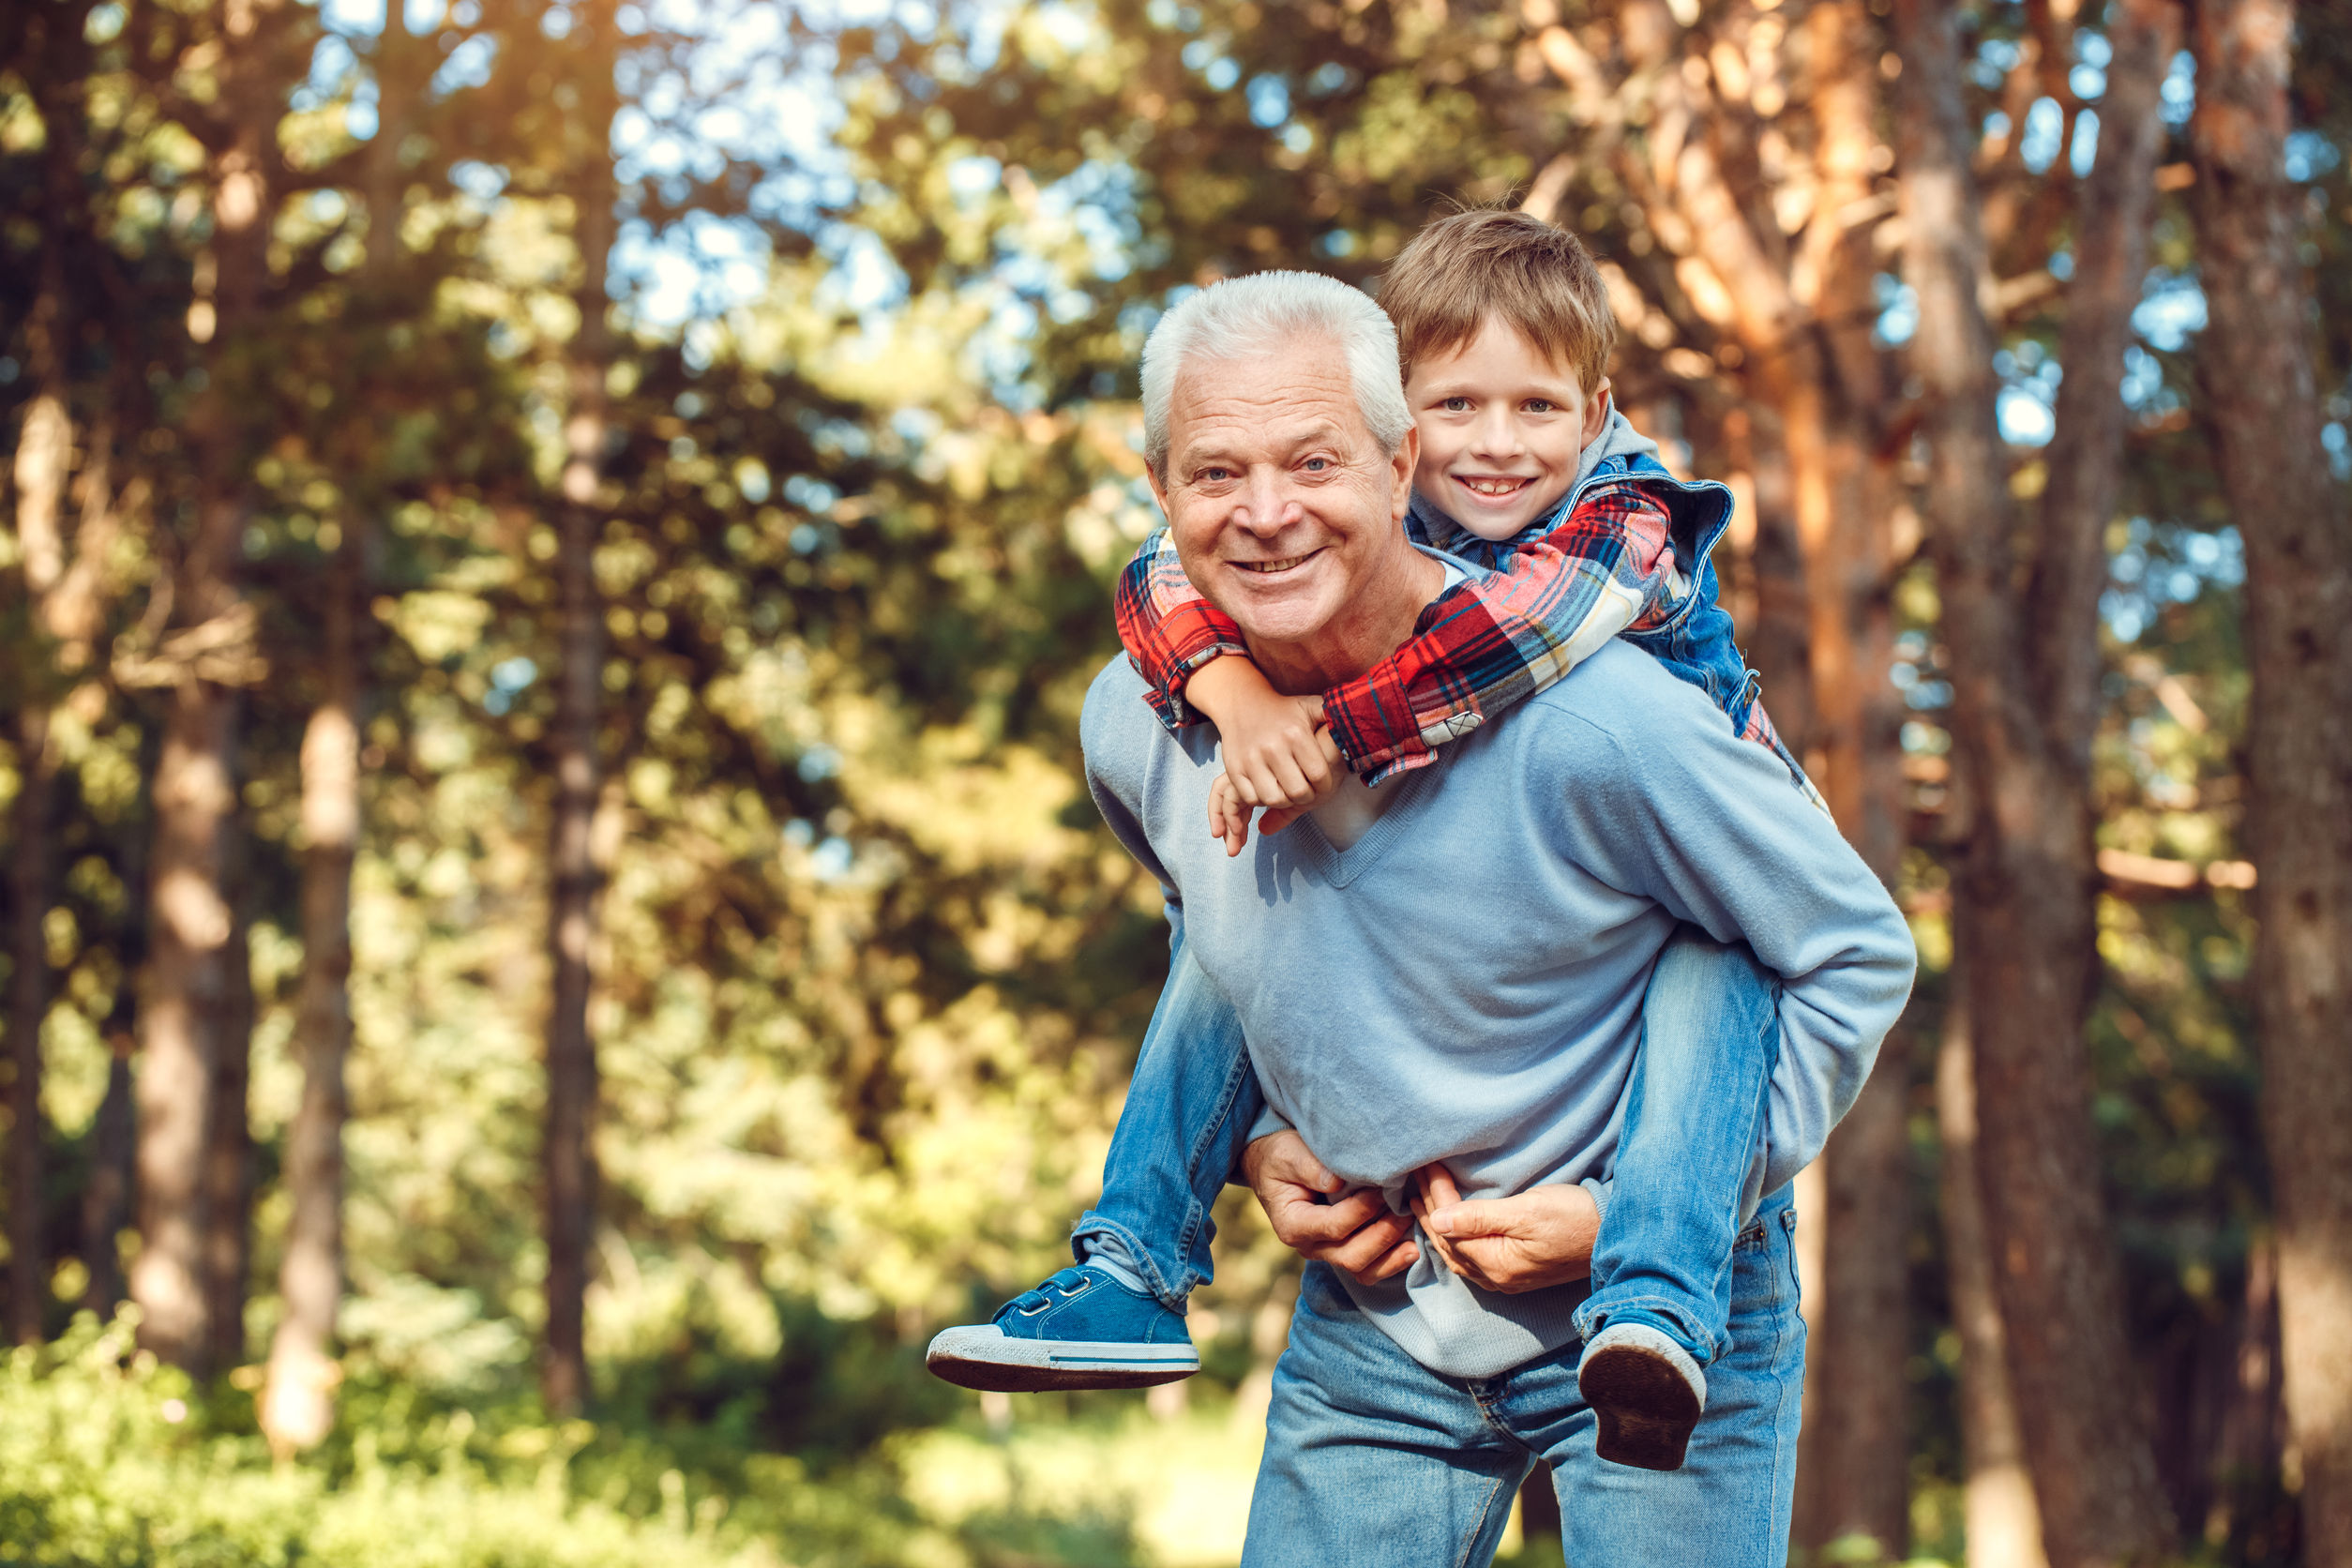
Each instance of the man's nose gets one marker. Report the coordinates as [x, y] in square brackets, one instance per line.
[1267, 504]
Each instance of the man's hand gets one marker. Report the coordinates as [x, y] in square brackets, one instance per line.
[1278, 756]
[1312, 1212]
[1544, 1236]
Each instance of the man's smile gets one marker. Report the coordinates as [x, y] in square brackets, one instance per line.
[1288, 562]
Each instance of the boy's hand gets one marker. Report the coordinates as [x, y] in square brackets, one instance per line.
[1312, 1211]
[1278, 756]
[1543, 1236]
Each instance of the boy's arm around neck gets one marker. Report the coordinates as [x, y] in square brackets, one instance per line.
[1497, 639]
[1169, 630]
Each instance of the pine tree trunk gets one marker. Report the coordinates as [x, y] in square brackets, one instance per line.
[106, 1209]
[44, 450]
[2024, 890]
[44, 456]
[2256, 357]
[569, 1154]
[298, 1406]
[229, 1143]
[2003, 1523]
[193, 994]
[180, 1019]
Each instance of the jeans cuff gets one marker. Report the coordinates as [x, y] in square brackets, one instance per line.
[1676, 1321]
[1138, 1257]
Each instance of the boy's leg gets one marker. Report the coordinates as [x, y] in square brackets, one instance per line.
[1116, 1320]
[1190, 1109]
[1684, 1180]
[1730, 1504]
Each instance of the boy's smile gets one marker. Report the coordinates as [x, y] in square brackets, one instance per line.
[1502, 425]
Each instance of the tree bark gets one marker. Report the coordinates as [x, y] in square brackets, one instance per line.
[2026, 885]
[229, 1141]
[44, 459]
[2255, 360]
[2003, 1523]
[106, 1209]
[43, 452]
[569, 1154]
[298, 1406]
[191, 993]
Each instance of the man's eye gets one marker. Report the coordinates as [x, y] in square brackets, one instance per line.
[1317, 465]
[1215, 475]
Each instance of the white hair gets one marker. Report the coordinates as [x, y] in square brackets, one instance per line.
[1244, 318]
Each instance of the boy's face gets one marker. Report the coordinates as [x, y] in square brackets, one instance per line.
[1502, 427]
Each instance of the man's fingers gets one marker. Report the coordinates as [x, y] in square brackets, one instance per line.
[1467, 1219]
[1401, 1256]
[1439, 1185]
[1360, 1252]
[1293, 1161]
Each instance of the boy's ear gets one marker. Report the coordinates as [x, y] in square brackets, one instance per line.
[1596, 412]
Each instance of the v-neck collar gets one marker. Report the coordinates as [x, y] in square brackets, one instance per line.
[1342, 866]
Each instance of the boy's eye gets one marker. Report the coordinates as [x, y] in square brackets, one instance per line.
[1540, 405]
[1456, 405]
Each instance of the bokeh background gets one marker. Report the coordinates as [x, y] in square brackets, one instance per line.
[551, 553]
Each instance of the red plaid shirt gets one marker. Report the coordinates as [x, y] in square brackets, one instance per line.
[1482, 645]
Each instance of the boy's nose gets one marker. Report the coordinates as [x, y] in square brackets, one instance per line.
[1497, 436]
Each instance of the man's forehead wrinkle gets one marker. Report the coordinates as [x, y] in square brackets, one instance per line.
[1229, 426]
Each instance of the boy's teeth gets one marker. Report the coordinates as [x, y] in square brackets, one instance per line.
[1495, 486]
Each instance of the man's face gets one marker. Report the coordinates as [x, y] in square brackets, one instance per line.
[1280, 501]
[1502, 427]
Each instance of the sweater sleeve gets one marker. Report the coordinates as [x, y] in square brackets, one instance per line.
[1490, 641]
[1684, 811]
[1168, 628]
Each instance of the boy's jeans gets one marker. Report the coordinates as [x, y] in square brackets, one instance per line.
[1685, 1177]
[1375, 1461]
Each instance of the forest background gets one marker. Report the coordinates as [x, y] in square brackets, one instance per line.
[552, 551]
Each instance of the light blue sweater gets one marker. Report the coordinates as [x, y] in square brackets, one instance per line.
[1465, 984]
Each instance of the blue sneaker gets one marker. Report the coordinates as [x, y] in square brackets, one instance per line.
[1080, 1329]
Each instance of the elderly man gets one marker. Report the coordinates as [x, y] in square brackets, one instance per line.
[1442, 980]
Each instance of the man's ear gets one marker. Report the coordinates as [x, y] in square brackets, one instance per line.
[1401, 468]
[1159, 489]
[1596, 412]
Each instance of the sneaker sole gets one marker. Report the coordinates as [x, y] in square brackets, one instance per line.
[996, 1364]
[1646, 1410]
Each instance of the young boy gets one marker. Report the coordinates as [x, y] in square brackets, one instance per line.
[1528, 471]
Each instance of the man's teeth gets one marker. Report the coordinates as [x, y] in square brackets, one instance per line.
[1494, 487]
[1282, 566]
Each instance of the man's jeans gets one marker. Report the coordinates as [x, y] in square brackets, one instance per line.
[1375, 1461]
[1686, 1169]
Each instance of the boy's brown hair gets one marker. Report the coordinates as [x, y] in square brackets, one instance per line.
[1537, 278]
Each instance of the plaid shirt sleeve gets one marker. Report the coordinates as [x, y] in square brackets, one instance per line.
[1169, 630]
[1484, 644]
